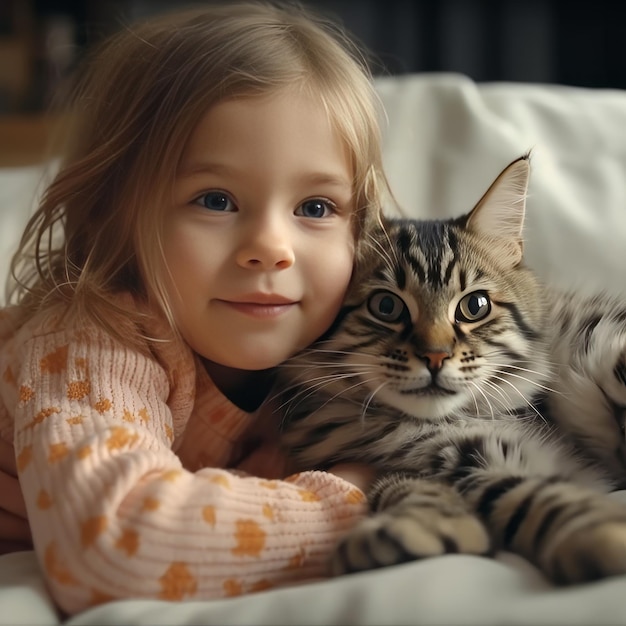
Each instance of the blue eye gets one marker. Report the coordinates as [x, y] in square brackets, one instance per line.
[386, 306]
[473, 307]
[216, 201]
[315, 208]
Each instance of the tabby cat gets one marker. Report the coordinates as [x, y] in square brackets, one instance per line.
[492, 405]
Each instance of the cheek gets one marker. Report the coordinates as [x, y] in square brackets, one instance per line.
[339, 278]
[159, 262]
[332, 277]
[187, 253]
[184, 275]
[175, 257]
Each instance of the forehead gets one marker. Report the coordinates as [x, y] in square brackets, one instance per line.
[291, 124]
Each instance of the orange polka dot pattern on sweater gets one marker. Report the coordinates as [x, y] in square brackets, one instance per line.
[120, 456]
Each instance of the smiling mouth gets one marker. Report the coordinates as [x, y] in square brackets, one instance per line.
[260, 307]
[271, 299]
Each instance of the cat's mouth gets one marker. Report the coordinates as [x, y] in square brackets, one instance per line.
[433, 389]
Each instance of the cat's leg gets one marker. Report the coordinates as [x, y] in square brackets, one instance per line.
[413, 518]
[570, 532]
[493, 487]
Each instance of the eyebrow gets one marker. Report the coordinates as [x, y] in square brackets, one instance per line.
[323, 178]
[204, 168]
[313, 178]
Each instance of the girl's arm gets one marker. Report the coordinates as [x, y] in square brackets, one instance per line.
[113, 512]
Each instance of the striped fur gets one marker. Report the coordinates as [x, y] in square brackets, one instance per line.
[492, 406]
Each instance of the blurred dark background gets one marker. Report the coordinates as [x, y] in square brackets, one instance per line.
[572, 42]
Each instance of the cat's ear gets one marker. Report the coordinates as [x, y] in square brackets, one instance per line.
[499, 214]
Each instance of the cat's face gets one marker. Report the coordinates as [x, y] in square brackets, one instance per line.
[439, 324]
[442, 319]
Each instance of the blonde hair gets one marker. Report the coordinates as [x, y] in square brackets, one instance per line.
[137, 99]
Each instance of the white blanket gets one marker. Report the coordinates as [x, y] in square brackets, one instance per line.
[446, 140]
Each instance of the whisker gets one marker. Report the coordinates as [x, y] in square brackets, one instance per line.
[323, 381]
[532, 406]
[519, 368]
[309, 389]
[342, 391]
[503, 401]
[496, 351]
[528, 380]
[474, 398]
[484, 395]
[327, 364]
[370, 397]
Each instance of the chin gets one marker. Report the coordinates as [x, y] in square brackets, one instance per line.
[426, 406]
[256, 362]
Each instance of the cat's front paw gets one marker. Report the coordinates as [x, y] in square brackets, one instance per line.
[407, 532]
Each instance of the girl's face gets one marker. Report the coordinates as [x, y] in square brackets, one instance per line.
[259, 242]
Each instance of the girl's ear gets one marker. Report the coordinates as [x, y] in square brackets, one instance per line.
[499, 214]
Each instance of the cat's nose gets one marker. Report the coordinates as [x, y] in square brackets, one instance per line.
[434, 360]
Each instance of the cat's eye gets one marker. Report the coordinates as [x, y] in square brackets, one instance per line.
[473, 307]
[386, 306]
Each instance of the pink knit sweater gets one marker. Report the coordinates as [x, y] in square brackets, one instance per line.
[118, 455]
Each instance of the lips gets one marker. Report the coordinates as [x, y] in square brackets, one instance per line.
[260, 305]
[261, 298]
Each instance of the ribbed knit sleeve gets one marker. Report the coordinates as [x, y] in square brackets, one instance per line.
[113, 512]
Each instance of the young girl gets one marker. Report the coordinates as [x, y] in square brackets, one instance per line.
[202, 228]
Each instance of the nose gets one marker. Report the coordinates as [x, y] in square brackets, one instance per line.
[434, 360]
[266, 245]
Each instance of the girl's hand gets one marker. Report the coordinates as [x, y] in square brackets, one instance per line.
[359, 474]
[14, 527]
